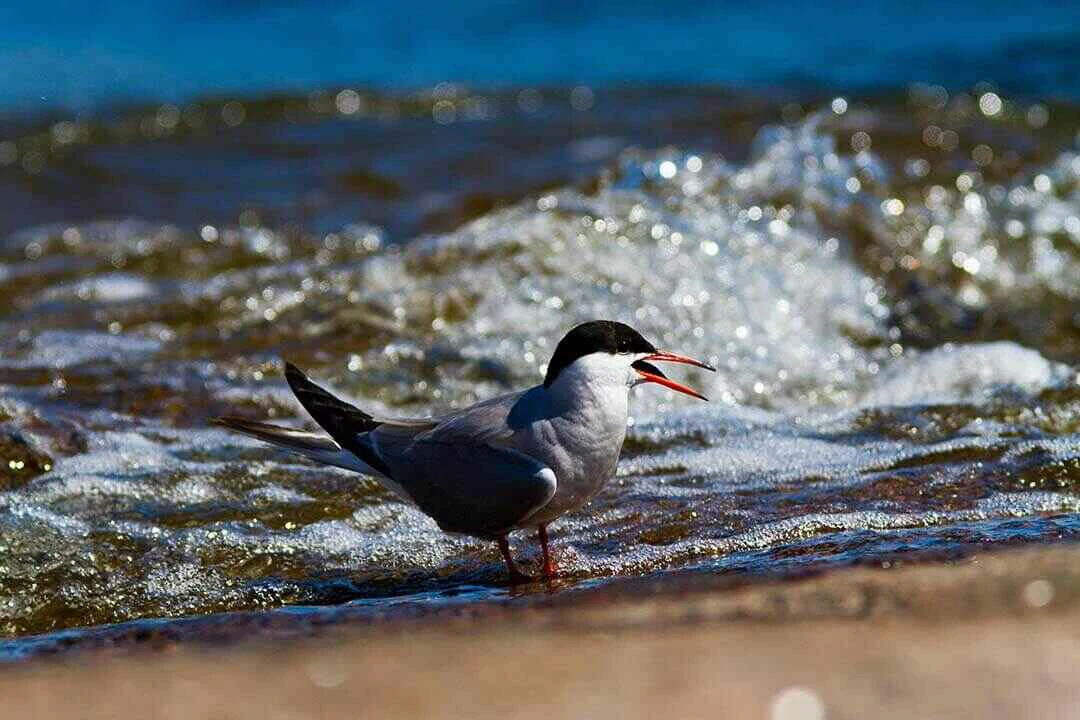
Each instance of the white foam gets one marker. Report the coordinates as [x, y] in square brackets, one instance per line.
[762, 295]
[735, 263]
[61, 349]
[108, 288]
[955, 373]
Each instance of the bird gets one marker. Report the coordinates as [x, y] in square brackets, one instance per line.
[516, 461]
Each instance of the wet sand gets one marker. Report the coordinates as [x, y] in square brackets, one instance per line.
[991, 636]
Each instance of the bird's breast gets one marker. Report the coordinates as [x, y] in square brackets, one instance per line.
[582, 447]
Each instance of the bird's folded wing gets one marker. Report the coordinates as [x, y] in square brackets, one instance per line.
[469, 487]
[485, 423]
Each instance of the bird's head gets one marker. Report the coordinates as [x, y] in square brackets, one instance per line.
[604, 353]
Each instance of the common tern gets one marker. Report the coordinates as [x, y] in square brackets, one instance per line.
[515, 461]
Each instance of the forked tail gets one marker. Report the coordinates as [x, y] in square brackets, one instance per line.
[344, 422]
[317, 447]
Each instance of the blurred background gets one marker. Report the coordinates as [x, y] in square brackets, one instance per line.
[100, 77]
[86, 56]
[867, 214]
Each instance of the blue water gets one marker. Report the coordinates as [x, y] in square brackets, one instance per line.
[878, 399]
[87, 54]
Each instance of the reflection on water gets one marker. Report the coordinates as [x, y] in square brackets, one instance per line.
[889, 289]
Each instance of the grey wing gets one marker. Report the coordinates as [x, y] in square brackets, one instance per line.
[461, 471]
[479, 490]
[483, 423]
[452, 467]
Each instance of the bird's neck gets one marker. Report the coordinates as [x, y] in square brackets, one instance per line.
[596, 390]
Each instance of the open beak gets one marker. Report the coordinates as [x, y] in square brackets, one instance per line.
[651, 373]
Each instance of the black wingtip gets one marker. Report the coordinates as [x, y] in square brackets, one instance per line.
[339, 418]
[291, 369]
[295, 377]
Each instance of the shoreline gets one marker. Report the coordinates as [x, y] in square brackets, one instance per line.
[993, 635]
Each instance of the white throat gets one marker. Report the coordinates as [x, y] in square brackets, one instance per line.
[601, 380]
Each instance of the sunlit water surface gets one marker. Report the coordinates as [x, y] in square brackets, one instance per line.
[890, 288]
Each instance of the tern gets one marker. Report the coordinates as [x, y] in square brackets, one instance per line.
[515, 461]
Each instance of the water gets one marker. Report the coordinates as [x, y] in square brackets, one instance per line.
[888, 284]
[94, 54]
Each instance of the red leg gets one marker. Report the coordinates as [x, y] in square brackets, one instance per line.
[516, 576]
[550, 569]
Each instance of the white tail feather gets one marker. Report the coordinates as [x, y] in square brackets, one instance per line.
[311, 445]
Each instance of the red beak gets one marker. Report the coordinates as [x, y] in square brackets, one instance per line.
[651, 373]
[672, 357]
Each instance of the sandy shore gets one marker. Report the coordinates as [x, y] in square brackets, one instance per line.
[994, 636]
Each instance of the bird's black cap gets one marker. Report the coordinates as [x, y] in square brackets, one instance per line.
[595, 336]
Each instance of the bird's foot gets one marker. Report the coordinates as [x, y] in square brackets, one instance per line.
[517, 577]
[551, 569]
